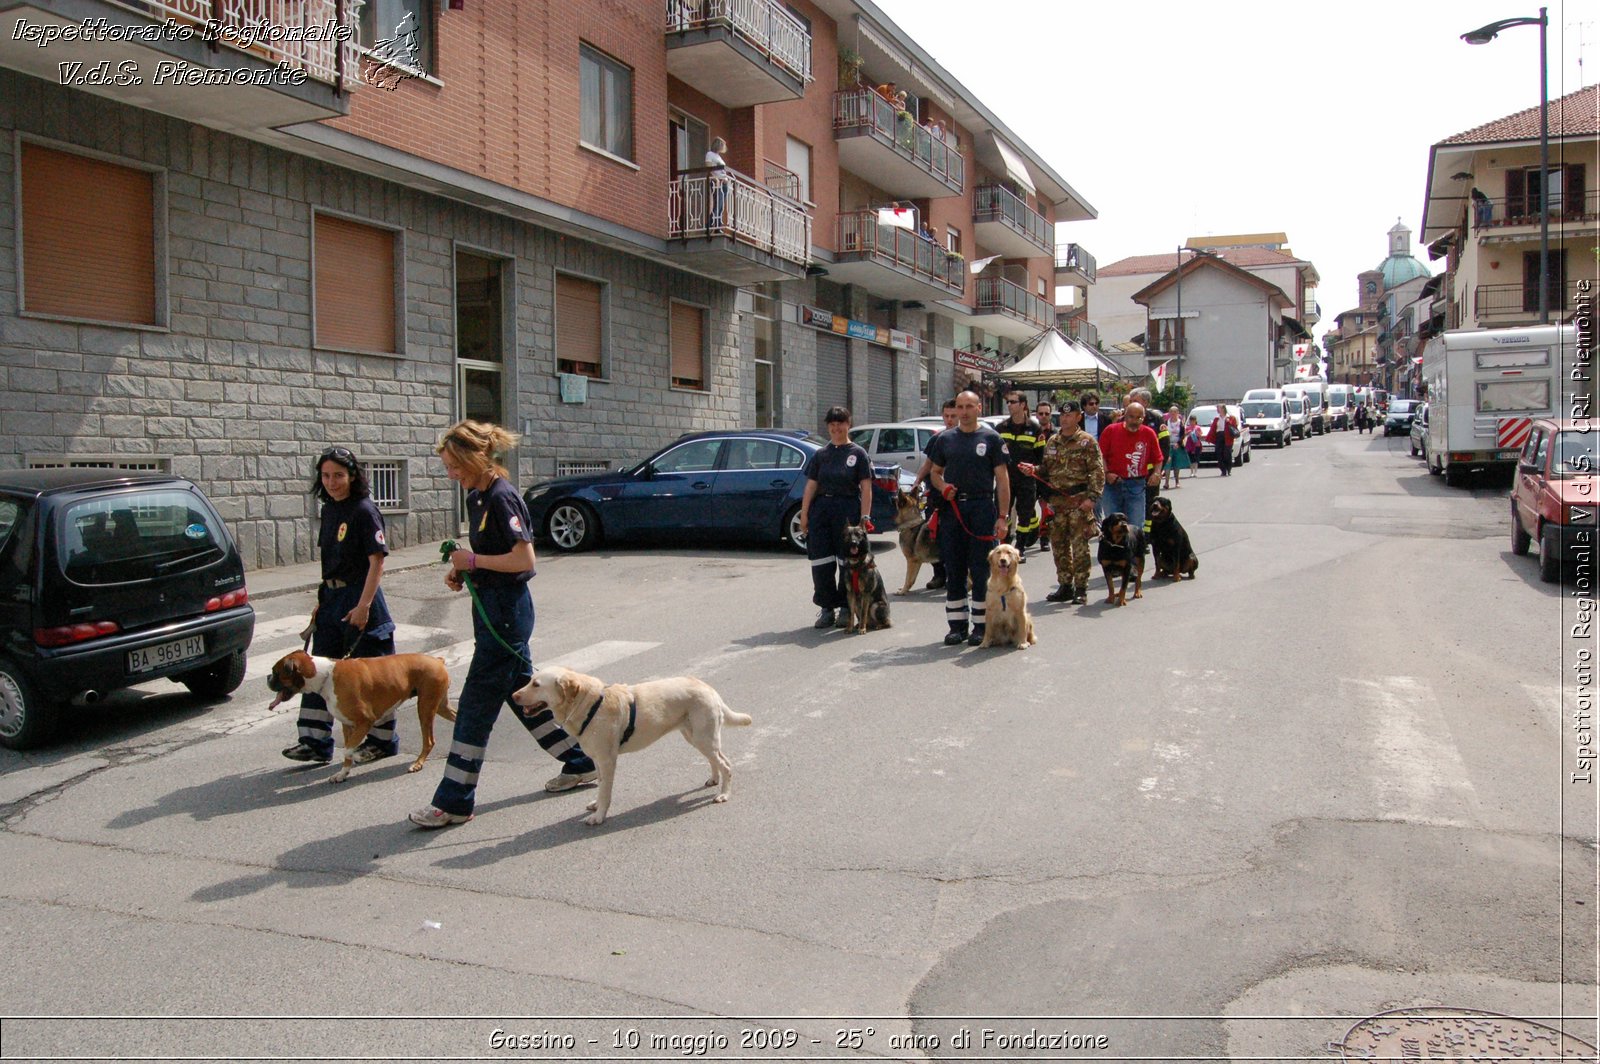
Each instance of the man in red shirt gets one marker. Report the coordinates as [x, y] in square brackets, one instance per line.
[1133, 462]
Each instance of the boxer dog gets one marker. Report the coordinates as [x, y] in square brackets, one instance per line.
[360, 692]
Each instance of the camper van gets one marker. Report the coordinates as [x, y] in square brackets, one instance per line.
[1485, 387]
[1316, 402]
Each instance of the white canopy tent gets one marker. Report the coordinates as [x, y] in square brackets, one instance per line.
[1058, 362]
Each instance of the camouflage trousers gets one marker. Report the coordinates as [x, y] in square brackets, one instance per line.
[1069, 542]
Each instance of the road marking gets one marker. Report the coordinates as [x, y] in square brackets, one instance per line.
[592, 657]
[263, 658]
[1417, 772]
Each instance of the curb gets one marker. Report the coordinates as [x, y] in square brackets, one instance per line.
[310, 583]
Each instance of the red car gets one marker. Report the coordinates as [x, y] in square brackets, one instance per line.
[1553, 500]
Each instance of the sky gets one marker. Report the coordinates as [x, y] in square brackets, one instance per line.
[1178, 119]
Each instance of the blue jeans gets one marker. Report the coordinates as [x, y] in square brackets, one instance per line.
[1126, 496]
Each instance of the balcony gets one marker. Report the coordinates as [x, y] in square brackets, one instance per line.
[1518, 304]
[735, 229]
[894, 263]
[1313, 313]
[241, 66]
[1074, 266]
[894, 153]
[1003, 308]
[1004, 223]
[1517, 217]
[738, 52]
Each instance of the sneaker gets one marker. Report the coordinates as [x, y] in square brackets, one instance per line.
[365, 754]
[936, 584]
[568, 781]
[302, 752]
[430, 817]
[955, 637]
[1022, 556]
[824, 619]
[842, 619]
[976, 637]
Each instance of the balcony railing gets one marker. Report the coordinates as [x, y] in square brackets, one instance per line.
[996, 295]
[1516, 300]
[1524, 210]
[276, 31]
[996, 203]
[763, 24]
[712, 203]
[1074, 257]
[860, 234]
[864, 108]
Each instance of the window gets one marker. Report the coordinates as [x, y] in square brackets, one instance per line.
[1041, 288]
[386, 481]
[605, 91]
[697, 457]
[765, 455]
[894, 441]
[952, 239]
[399, 32]
[354, 285]
[688, 346]
[1513, 397]
[142, 463]
[89, 239]
[1563, 189]
[798, 161]
[580, 326]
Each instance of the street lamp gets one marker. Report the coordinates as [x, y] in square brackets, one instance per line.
[1483, 35]
[1179, 337]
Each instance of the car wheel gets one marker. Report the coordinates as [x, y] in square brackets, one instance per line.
[1549, 564]
[1413, 448]
[1453, 476]
[25, 721]
[217, 679]
[571, 526]
[1520, 540]
[1435, 470]
[791, 529]
[1245, 460]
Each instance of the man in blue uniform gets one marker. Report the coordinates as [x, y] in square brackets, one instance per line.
[969, 471]
[838, 493]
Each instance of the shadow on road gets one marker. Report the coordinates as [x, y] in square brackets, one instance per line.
[249, 792]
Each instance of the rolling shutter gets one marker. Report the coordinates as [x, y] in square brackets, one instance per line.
[688, 346]
[880, 383]
[833, 373]
[354, 285]
[88, 238]
[578, 326]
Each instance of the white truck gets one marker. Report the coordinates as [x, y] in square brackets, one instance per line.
[1485, 387]
[1341, 406]
[1314, 392]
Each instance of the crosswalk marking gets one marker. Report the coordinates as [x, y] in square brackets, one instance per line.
[1418, 773]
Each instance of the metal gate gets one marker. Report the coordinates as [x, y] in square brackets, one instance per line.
[833, 374]
[881, 403]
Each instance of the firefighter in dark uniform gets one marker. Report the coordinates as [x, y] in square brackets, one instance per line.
[970, 471]
[838, 493]
[351, 616]
[1025, 442]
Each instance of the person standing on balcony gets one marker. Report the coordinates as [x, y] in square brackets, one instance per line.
[1482, 207]
[716, 181]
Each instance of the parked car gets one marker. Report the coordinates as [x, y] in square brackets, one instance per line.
[1419, 429]
[108, 580]
[1553, 494]
[1299, 418]
[726, 483]
[1268, 420]
[901, 442]
[1207, 413]
[1402, 412]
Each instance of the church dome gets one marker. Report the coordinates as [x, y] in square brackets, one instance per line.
[1400, 266]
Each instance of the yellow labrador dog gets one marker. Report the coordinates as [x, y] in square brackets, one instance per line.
[1005, 612]
[611, 719]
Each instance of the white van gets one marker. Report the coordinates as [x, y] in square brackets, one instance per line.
[1313, 393]
[1299, 420]
[1341, 406]
[1268, 420]
[1272, 395]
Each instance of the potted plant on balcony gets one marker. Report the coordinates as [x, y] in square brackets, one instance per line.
[849, 69]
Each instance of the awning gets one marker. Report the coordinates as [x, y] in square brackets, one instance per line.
[1011, 162]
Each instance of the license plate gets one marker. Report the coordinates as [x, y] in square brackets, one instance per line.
[161, 655]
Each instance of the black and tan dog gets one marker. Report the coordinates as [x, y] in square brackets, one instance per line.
[1121, 554]
[864, 594]
[1169, 542]
[916, 537]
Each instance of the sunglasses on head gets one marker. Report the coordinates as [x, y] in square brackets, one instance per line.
[337, 454]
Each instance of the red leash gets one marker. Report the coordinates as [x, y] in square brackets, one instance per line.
[955, 509]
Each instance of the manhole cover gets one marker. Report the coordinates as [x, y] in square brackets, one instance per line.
[1439, 1033]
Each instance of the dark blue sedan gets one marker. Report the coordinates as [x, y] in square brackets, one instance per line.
[728, 483]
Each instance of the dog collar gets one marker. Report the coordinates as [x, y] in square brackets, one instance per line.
[592, 711]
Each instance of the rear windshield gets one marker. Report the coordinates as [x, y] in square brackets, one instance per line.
[1205, 415]
[1263, 409]
[1400, 406]
[137, 535]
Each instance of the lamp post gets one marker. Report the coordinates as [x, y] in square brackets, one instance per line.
[1483, 35]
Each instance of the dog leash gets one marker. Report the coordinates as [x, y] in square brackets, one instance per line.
[953, 508]
[449, 547]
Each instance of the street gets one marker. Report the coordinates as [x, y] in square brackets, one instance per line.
[1327, 778]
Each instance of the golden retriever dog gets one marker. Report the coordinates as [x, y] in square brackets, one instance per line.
[1005, 613]
[916, 538]
[611, 719]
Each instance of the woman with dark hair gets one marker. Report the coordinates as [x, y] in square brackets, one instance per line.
[838, 493]
[351, 617]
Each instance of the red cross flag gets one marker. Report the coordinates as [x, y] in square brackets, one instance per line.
[1302, 352]
[1159, 375]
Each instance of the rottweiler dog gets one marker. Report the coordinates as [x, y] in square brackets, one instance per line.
[1121, 554]
[864, 593]
[1169, 542]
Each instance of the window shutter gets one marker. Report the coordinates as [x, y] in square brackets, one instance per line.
[88, 238]
[1516, 193]
[688, 346]
[1572, 203]
[578, 326]
[354, 285]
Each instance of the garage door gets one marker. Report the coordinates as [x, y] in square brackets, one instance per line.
[880, 383]
[833, 374]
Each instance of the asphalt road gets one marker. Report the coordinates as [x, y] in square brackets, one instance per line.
[1327, 778]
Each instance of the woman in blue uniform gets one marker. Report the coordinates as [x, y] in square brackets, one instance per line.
[498, 562]
[838, 493]
[351, 616]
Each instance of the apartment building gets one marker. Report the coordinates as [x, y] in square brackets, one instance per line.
[233, 234]
[1483, 208]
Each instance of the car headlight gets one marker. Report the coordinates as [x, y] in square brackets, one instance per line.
[536, 493]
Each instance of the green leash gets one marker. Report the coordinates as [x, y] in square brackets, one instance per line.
[449, 547]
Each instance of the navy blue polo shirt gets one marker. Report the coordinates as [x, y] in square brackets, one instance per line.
[969, 459]
[351, 532]
[839, 470]
[497, 520]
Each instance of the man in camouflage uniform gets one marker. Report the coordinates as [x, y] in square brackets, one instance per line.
[1073, 467]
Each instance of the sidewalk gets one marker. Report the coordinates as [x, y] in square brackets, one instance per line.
[287, 579]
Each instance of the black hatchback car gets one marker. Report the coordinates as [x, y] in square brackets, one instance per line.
[107, 580]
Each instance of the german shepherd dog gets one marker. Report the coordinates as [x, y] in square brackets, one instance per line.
[1169, 542]
[1121, 552]
[869, 606]
[916, 539]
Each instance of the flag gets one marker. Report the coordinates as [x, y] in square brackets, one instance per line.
[1301, 351]
[1302, 372]
[898, 217]
[978, 265]
[1159, 375]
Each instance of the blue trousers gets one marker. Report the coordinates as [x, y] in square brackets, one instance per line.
[332, 638]
[494, 674]
[1126, 496]
[825, 546]
[966, 560]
